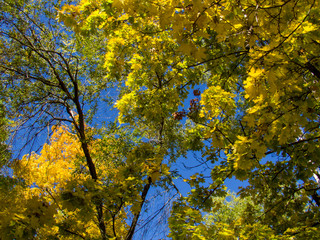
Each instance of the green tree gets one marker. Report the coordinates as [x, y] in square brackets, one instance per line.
[44, 74]
[260, 63]
[4, 134]
[231, 217]
[53, 77]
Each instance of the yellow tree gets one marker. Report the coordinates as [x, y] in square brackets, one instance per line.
[55, 197]
[37, 203]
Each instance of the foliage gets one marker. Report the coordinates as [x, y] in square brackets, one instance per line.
[54, 195]
[4, 134]
[45, 75]
[230, 217]
[249, 68]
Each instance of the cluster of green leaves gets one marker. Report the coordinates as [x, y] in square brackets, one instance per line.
[4, 134]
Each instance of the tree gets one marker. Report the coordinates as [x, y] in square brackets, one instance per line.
[55, 196]
[231, 217]
[4, 134]
[261, 97]
[52, 78]
[234, 217]
[40, 69]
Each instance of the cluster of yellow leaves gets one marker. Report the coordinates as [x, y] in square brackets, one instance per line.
[45, 176]
[141, 51]
[272, 82]
[217, 103]
[55, 164]
[246, 151]
[281, 98]
[57, 196]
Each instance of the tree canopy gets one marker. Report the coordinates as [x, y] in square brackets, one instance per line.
[236, 82]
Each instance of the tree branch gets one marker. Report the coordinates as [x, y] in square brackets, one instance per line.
[136, 216]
